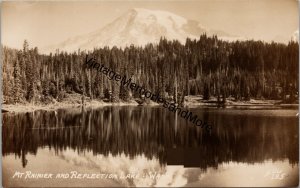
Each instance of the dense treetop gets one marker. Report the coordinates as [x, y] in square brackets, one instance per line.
[207, 66]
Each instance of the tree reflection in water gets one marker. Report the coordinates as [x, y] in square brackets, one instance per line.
[154, 132]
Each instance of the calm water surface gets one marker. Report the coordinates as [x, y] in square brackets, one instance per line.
[247, 147]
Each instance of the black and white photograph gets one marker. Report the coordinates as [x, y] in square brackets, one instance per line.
[150, 93]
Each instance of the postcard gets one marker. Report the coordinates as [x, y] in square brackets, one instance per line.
[147, 93]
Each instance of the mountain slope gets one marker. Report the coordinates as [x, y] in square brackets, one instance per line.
[139, 27]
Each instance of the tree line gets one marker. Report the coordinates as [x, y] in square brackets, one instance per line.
[207, 66]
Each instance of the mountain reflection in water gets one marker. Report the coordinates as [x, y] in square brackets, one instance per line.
[237, 135]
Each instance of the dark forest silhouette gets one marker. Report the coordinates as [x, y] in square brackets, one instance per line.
[207, 66]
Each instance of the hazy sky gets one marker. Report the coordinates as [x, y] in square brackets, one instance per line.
[46, 23]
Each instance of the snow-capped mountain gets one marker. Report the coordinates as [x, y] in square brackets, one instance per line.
[139, 27]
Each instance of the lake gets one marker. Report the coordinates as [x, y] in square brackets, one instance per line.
[150, 146]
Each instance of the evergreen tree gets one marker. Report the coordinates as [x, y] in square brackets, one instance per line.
[17, 90]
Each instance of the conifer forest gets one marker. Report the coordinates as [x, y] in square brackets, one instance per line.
[207, 67]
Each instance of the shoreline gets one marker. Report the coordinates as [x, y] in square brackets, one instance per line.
[190, 102]
[22, 108]
[196, 101]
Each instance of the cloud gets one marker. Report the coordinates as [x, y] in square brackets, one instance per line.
[122, 164]
[295, 36]
[174, 177]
